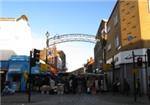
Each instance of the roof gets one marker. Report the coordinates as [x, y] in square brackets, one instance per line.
[7, 19]
[23, 17]
[6, 54]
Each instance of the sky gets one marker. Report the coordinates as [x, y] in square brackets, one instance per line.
[62, 17]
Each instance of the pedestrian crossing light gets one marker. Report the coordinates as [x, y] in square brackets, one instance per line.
[36, 55]
[148, 57]
[139, 61]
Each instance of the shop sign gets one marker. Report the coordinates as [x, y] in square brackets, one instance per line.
[107, 67]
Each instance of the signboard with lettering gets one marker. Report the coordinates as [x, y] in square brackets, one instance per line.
[107, 67]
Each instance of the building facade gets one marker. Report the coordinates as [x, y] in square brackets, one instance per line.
[63, 59]
[15, 34]
[100, 47]
[55, 58]
[4, 64]
[128, 31]
[18, 66]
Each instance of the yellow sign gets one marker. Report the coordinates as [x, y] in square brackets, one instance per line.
[107, 67]
[44, 67]
[135, 71]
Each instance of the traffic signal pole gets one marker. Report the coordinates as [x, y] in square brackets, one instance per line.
[146, 74]
[33, 60]
[29, 91]
[134, 76]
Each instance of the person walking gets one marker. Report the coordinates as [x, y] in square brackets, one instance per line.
[70, 85]
[126, 87]
[138, 88]
[116, 86]
[88, 85]
[74, 85]
[97, 84]
[148, 93]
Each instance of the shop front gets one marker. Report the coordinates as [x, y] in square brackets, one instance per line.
[3, 70]
[18, 65]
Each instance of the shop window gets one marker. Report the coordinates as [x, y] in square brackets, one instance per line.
[16, 78]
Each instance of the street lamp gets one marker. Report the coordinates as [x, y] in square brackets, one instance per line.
[103, 41]
[129, 39]
[47, 43]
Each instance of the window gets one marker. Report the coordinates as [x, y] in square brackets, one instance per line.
[115, 20]
[109, 47]
[108, 29]
[117, 44]
[130, 37]
[102, 31]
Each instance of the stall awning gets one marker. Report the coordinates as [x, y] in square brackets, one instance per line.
[15, 69]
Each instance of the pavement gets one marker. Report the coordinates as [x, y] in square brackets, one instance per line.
[73, 99]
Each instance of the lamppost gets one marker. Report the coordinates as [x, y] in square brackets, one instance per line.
[103, 42]
[113, 70]
[47, 43]
[134, 75]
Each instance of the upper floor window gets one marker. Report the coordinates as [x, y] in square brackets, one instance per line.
[108, 29]
[102, 31]
[109, 47]
[117, 44]
[115, 19]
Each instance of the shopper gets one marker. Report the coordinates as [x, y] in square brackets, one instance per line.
[138, 87]
[126, 87]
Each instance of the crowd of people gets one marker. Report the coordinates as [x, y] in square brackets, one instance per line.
[73, 85]
[76, 85]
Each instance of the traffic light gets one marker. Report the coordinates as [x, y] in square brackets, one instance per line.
[33, 63]
[148, 57]
[36, 55]
[139, 61]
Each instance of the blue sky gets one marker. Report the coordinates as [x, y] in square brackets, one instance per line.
[62, 17]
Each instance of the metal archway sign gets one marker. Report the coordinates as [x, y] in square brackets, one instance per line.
[70, 38]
